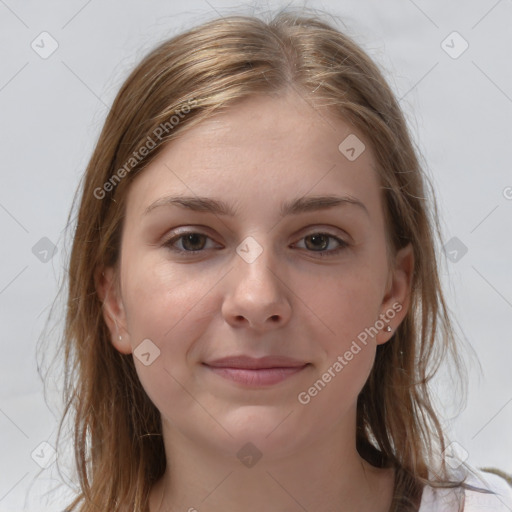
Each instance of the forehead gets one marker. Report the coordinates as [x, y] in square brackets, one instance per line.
[261, 150]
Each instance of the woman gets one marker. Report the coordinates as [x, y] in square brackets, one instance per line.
[255, 310]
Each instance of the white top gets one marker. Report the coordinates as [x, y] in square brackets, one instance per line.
[447, 500]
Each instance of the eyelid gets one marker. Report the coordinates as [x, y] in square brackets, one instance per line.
[179, 233]
[342, 245]
[326, 229]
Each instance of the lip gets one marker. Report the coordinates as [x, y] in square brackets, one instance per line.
[254, 363]
[264, 371]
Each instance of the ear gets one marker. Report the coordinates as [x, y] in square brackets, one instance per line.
[113, 310]
[398, 293]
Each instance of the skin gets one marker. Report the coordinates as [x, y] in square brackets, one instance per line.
[288, 301]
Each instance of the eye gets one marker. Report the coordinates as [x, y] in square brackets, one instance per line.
[190, 241]
[193, 242]
[318, 242]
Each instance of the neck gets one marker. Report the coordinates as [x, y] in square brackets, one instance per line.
[325, 474]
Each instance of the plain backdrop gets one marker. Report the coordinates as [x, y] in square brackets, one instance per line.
[455, 89]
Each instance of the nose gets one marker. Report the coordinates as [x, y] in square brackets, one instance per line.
[257, 296]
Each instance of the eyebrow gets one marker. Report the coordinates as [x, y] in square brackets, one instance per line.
[296, 206]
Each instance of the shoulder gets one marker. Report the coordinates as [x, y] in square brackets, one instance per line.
[498, 498]
[486, 492]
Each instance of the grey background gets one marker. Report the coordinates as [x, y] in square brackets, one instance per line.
[52, 111]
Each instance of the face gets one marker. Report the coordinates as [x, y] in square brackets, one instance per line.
[276, 273]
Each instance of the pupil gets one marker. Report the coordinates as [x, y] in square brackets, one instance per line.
[316, 238]
[192, 239]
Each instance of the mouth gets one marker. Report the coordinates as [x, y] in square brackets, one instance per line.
[251, 372]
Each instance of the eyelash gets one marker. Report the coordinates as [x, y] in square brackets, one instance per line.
[333, 252]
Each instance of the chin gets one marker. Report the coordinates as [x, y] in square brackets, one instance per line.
[275, 434]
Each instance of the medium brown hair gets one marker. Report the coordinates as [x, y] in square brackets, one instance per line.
[117, 434]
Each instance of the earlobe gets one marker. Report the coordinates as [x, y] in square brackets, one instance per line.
[397, 299]
[113, 309]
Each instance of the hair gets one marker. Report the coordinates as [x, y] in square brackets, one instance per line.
[117, 434]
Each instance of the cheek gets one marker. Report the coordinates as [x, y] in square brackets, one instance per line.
[333, 392]
[348, 309]
[158, 296]
[170, 308]
[344, 307]
[170, 305]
